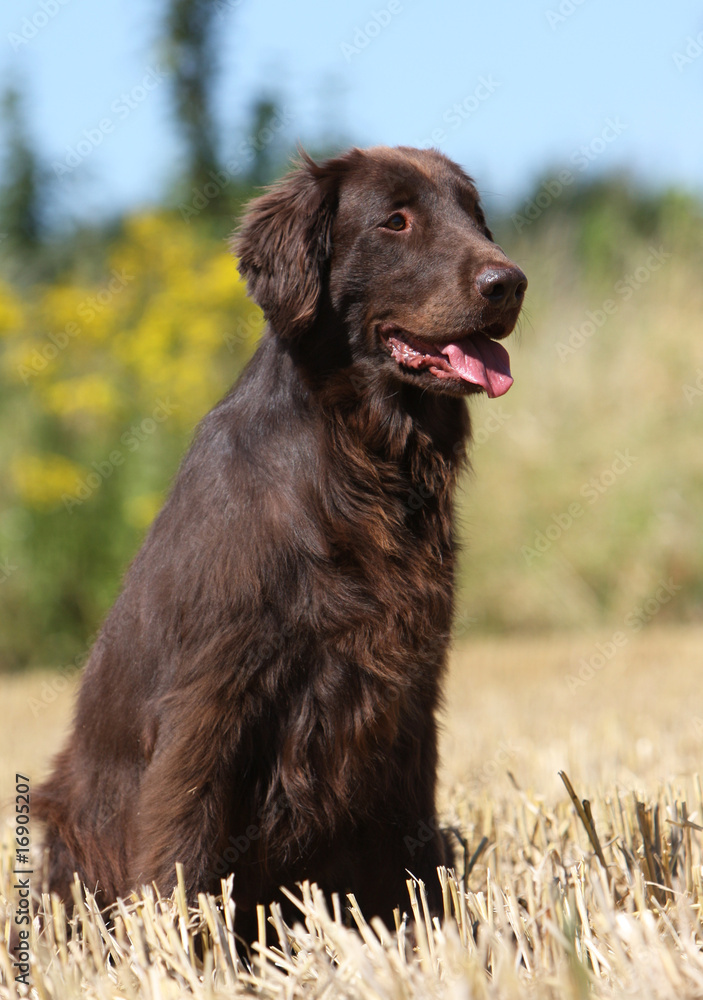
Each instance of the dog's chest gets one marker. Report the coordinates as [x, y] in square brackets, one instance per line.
[388, 583]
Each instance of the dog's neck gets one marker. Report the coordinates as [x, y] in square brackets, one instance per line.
[391, 419]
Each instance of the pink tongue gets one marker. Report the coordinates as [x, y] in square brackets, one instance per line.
[481, 361]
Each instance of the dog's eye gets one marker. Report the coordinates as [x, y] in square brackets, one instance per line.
[396, 222]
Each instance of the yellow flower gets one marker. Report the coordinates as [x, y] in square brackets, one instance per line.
[90, 393]
[42, 480]
[58, 305]
[11, 311]
[221, 283]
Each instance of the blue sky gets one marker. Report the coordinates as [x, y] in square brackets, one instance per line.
[512, 89]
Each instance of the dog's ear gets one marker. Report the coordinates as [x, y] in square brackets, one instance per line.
[285, 241]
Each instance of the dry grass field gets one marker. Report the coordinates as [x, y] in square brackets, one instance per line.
[556, 904]
[579, 592]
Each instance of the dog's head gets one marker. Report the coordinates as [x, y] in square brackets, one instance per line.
[394, 245]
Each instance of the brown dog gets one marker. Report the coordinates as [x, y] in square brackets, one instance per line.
[261, 699]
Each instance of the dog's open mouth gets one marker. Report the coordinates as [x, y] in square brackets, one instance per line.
[476, 358]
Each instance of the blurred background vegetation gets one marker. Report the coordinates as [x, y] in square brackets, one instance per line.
[115, 339]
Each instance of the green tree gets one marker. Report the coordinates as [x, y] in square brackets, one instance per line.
[21, 194]
[191, 33]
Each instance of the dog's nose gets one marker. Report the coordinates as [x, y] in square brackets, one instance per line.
[502, 286]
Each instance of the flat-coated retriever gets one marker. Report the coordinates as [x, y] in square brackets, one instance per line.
[262, 697]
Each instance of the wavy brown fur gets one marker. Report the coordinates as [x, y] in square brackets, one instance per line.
[262, 696]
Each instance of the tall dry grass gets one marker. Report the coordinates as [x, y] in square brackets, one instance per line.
[599, 899]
